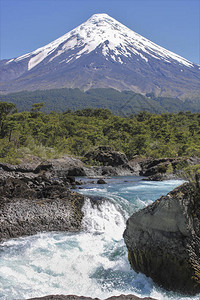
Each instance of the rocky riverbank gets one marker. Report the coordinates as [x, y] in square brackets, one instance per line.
[163, 240]
[35, 203]
[37, 197]
[73, 297]
[103, 161]
[114, 163]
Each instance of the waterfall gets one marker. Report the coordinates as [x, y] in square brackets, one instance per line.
[91, 263]
[104, 217]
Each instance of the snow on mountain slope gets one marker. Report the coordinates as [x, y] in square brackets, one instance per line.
[102, 52]
[98, 29]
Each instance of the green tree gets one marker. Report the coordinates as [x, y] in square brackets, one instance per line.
[36, 107]
[5, 110]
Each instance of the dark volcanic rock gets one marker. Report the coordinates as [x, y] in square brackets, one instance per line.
[37, 204]
[63, 297]
[67, 165]
[109, 171]
[73, 297]
[107, 157]
[112, 162]
[64, 166]
[165, 168]
[36, 197]
[163, 240]
[22, 168]
[129, 297]
[159, 166]
[101, 181]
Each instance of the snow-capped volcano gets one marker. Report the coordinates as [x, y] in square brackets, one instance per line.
[102, 52]
[101, 30]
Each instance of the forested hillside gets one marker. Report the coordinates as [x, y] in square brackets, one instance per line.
[121, 103]
[50, 135]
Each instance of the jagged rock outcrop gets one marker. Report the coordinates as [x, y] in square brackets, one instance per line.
[37, 203]
[111, 162]
[37, 198]
[106, 162]
[163, 240]
[64, 166]
[107, 157]
[68, 165]
[74, 297]
[165, 168]
[162, 166]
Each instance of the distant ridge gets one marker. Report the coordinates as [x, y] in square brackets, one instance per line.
[102, 53]
[122, 103]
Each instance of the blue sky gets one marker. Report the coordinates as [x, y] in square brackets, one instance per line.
[29, 24]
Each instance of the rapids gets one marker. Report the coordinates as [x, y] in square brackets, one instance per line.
[90, 263]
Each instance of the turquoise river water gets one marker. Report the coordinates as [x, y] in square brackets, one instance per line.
[91, 263]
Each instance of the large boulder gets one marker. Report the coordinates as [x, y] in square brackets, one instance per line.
[107, 157]
[26, 167]
[163, 240]
[64, 166]
[68, 165]
[165, 168]
[110, 162]
[159, 166]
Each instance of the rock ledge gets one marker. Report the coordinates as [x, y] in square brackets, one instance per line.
[163, 240]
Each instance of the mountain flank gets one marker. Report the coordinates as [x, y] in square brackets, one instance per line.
[102, 53]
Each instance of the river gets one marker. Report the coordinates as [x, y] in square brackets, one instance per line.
[91, 263]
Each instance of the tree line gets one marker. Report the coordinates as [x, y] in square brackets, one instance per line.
[120, 103]
[53, 134]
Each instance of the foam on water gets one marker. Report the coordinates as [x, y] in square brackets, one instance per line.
[92, 263]
[155, 185]
[83, 264]
[103, 218]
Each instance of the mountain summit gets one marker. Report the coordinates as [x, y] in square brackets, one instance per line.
[102, 53]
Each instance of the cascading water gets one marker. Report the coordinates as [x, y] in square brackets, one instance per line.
[104, 218]
[91, 263]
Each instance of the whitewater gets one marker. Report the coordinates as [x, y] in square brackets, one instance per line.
[91, 263]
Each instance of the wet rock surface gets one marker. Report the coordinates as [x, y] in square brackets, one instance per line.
[151, 167]
[163, 240]
[39, 198]
[101, 181]
[37, 201]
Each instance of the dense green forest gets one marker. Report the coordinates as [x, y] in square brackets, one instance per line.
[51, 135]
[120, 103]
